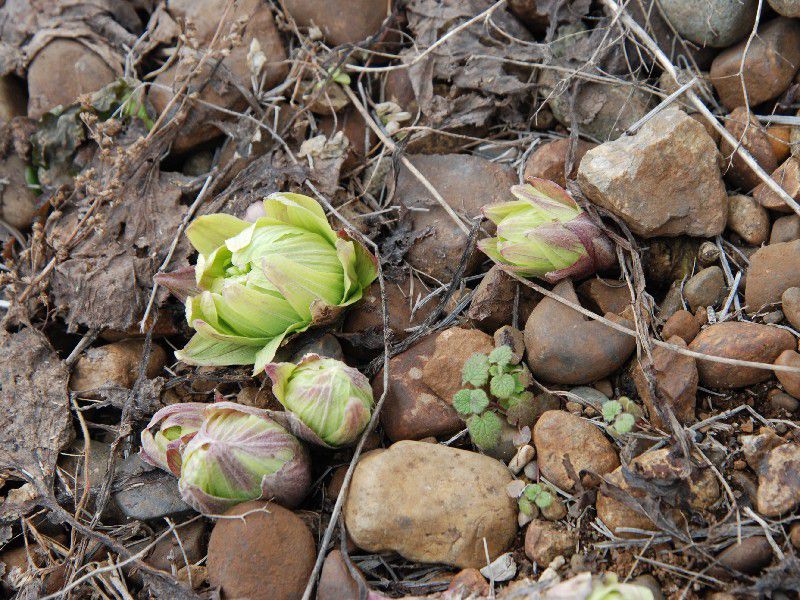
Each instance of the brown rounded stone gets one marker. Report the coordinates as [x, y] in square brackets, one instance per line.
[785, 229]
[790, 305]
[790, 381]
[548, 161]
[454, 346]
[773, 270]
[61, 72]
[558, 435]
[779, 481]
[335, 580]
[683, 324]
[605, 295]
[341, 21]
[265, 555]
[466, 183]
[768, 63]
[787, 175]
[115, 365]
[740, 340]
[544, 541]
[749, 556]
[468, 583]
[566, 347]
[748, 219]
[492, 302]
[748, 132]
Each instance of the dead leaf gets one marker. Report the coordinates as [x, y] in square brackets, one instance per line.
[35, 420]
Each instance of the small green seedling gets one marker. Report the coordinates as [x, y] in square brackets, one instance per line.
[620, 414]
[534, 494]
[498, 387]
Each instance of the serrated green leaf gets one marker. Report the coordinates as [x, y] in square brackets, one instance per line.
[494, 370]
[462, 401]
[525, 506]
[476, 370]
[624, 423]
[543, 499]
[502, 355]
[532, 491]
[470, 402]
[610, 410]
[502, 386]
[484, 430]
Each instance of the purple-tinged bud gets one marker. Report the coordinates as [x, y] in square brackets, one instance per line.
[241, 454]
[326, 402]
[168, 431]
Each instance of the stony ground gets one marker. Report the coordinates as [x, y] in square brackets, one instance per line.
[673, 123]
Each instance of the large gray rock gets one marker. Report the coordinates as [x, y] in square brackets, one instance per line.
[432, 504]
[665, 180]
[717, 23]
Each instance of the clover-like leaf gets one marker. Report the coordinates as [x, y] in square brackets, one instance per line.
[543, 499]
[485, 430]
[502, 355]
[525, 506]
[610, 410]
[470, 402]
[532, 490]
[502, 386]
[624, 423]
[476, 370]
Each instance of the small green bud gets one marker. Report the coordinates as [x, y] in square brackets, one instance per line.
[624, 423]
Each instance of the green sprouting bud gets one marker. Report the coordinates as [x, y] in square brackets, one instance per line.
[544, 233]
[327, 402]
[241, 454]
[609, 588]
[258, 282]
[168, 431]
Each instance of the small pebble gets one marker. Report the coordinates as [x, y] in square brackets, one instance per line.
[773, 317]
[708, 253]
[794, 535]
[604, 387]
[523, 456]
[705, 288]
[739, 465]
[502, 568]
[783, 401]
[790, 301]
[574, 407]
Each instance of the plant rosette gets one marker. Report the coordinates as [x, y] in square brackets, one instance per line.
[170, 429]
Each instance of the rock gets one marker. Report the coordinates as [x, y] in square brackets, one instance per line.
[664, 180]
[768, 64]
[748, 557]
[431, 503]
[503, 568]
[211, 87]
[12, 98]
[566, 347]
[789, 381]
[559, 434]
[794, 535]
[604, 110]
[326, 345]
[773, 270]
[748, 219]
[790, 303]
[788, 176]
[720, 23]
[514, 339]
[786, 8]
[442, 372]
[115, 365]
[72, 462]
[683, 324]
[493, 301]
[466, 183]
[335, 581]
[548, 161]
[363, 324]
[749, 133]
[743, 341]
[705, 288]
[341, 21]
[265, 555]
[168, 554]
[17, 201]
[468, 583]
[700, 490]
[756, 447]
[143, 492]
[779, 481]
[676, 382]
[783, 402]
[412, 410]
[544, 541]
[785, 229]
[605, 295]
[63, 70]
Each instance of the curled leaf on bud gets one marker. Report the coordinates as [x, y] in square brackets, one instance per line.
[326, 402]
[168, 431]
[241, 454]
[544, 233]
